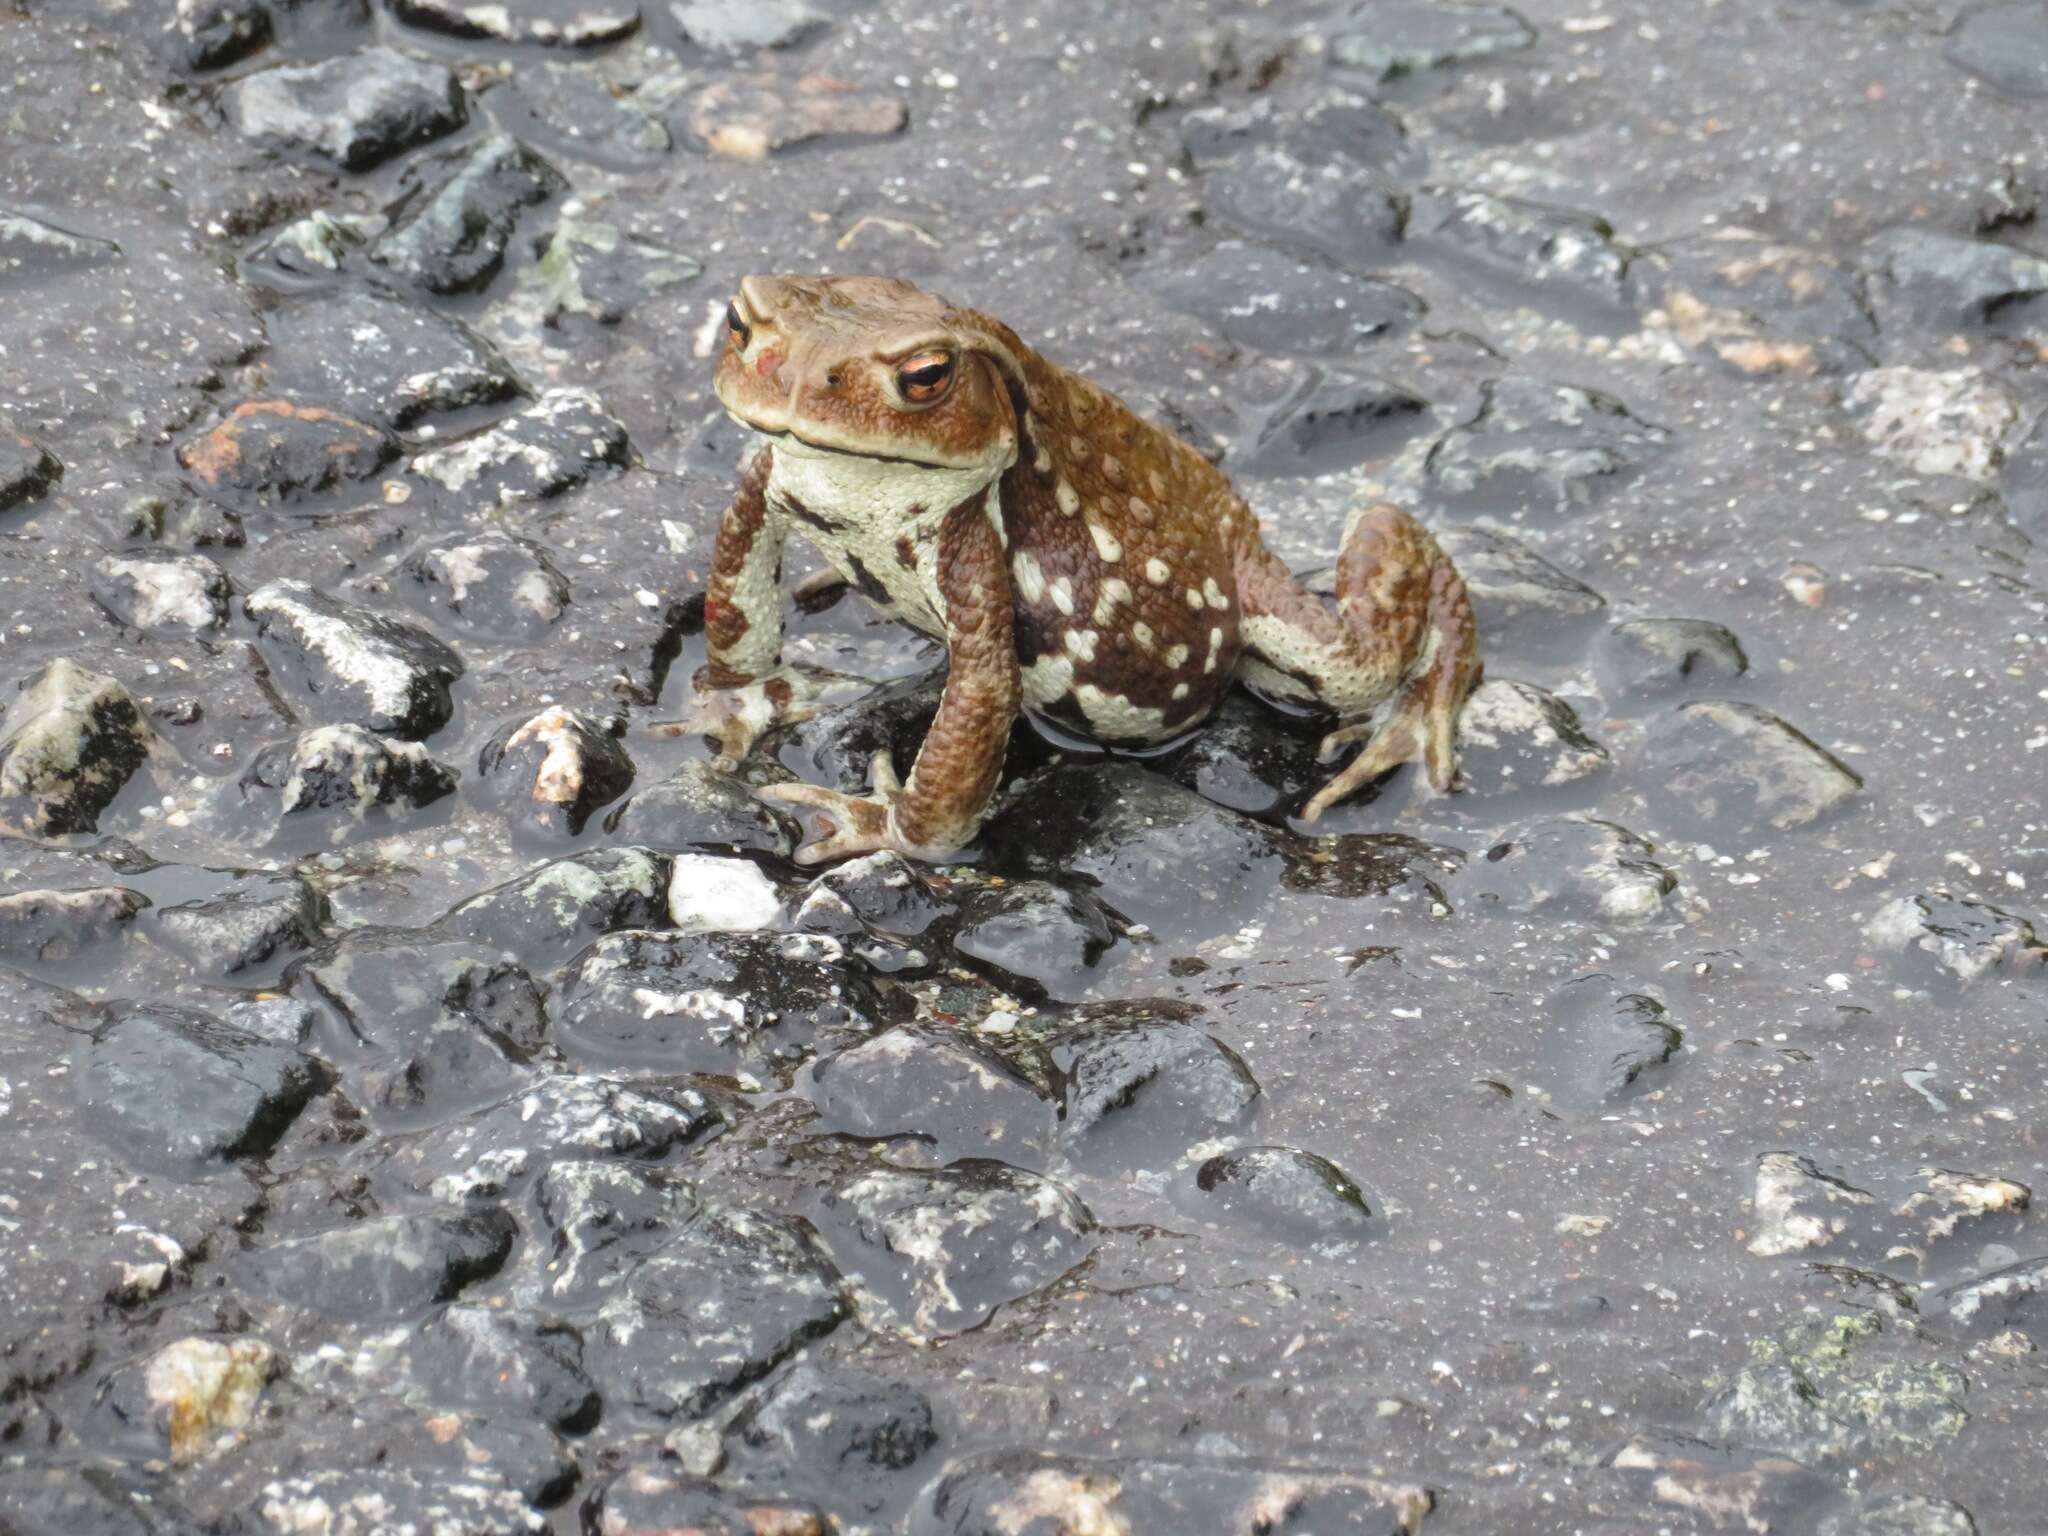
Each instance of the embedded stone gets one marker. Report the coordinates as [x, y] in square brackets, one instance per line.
[1283, 1191]
[35, 250]
[710, 893]
[576, 112]
[662, 1496]
[274, 450]
[377, 359]
[2013, 1298]
[885, 894]
[549, 1120]
[939, 1252]
[549, 914]
[554, 445]
[491, 584]
[1555, 446]
[254, 926]
[1328, 418]
[1799, 1205]
[698, 807]
[1332, 125]
[385, 1269]
[746, 26]
[546, 23]
[1576, 866]
[1140, 1090]
[346, 769]
[1951, 423]
[28, 471]
[1015, 1491]
[356, 110]
[1407, 37]
[69, 741]
[838, 1434]
[189, 1397]
[1957, 938]
[211, 34]
[1597, 1045]
[1275, 302]
[1337, 210]
[1947, 282]
[711, 1002]
[1526, 606]
[485, 1358]
[311, 249]
[1725, 770]
[729, 1297]
[1541, 254]
[1661, 655]
[422, 1025]
[1514, 736]
[47, 927]
[177, 1090]
[552, 773]
[595, 270]
[1150, 850]
[367, 669]
[454, 240]
[943, 1085]
[2006, 44]
[165, 593]
[749, 117]
[1039, 939]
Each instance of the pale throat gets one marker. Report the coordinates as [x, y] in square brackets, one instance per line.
[881, 494]
[878, 508]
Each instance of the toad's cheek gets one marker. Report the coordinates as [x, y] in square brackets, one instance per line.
[766, 364]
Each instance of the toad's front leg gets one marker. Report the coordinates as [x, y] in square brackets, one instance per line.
[938, 809]
[743, 690]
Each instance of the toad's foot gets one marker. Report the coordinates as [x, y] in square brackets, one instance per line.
[1414, 731]
[738, 715]
[852, 824]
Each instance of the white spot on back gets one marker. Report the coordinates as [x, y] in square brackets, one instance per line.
[1080, 643]
[1068, 498]
[1047, 680]
[1030, 578]
[1214, 594]
[1107, 596]
[1062, 592]
[1176, 655]
[1158, 572]
[1114, 715]
[1105, 543]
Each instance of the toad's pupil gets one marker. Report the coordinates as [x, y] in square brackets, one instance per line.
[736, 325]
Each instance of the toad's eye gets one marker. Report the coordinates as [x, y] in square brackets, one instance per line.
[925, 376]
[735, 327]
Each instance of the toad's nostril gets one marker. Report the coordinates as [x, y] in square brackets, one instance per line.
[831, 381]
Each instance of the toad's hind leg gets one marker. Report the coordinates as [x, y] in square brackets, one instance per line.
[1394, 662]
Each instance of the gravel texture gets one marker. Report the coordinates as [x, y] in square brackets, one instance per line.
[431, 1100]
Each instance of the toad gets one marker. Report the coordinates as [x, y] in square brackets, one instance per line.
[1081, 565]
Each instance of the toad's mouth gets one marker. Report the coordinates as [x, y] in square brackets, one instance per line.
[796, 445]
